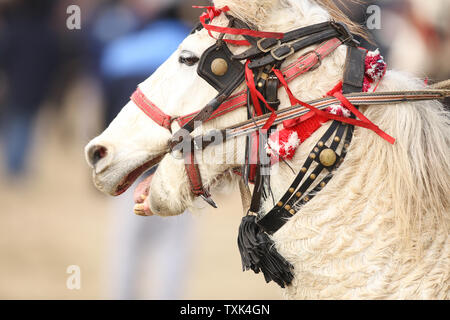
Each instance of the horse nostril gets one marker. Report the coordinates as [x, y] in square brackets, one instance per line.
[96, 153]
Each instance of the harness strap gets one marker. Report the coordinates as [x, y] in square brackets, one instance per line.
[284, 51]
[354, 70]
[310, 60]
[366, 98]
[296, 196]
[151, 110]
[238, 100]
[193, 174]
[371, 98]
[276, 217]
[195, 179]
[267, 44]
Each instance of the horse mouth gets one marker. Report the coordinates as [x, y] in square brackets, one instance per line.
[131, 177]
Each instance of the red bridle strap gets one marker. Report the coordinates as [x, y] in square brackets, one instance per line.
[238, 100]
[151, 110]
[234, 102]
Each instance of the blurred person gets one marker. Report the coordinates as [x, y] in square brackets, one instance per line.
[421, 43]
[149, 255]
[131, 59]
[28, 55]
[423, 26]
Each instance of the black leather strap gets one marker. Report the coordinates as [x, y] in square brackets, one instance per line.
[269, 43]
[276, 217]
[235, 22]
[286, 50]
[234, 68]
[354, 70]
[272, 85]
[324, 181]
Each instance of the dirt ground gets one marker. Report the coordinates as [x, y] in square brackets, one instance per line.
[56, 218]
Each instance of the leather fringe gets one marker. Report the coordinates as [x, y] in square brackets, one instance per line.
[258, 253]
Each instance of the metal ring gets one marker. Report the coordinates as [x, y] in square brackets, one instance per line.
[265, 50]
[292, 51]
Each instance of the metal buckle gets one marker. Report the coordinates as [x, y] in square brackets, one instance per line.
[319, 58]
[345, 33]
[265, 50]
[292, 51]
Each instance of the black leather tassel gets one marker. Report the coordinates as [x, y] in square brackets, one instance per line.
[258, 253]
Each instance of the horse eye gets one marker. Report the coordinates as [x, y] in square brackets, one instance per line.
[188, 58]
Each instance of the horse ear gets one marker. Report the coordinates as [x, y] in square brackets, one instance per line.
[254, 12]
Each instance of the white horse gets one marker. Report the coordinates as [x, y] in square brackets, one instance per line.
[378, 230]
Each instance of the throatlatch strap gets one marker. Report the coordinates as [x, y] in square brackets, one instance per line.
[193, 174]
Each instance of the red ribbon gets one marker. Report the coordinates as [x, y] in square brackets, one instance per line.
[212, 12]
[256, 96]
[336, 92]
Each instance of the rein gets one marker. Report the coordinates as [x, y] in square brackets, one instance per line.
[264, 76]
[297, 111]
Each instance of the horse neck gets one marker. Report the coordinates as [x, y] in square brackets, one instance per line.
[349, 241]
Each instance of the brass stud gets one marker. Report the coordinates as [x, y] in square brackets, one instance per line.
[346, 146]
[292, 211]
[280, 204]
[321, 144]
[260, 84]
[337, 139]
[312, 176]
[291, 190]
[298, 194]
[219, 67]
[303, 170]
[306, 199]
[312, 155]
[327, 157]
[323, 184]
[316, 149]
[287, 207]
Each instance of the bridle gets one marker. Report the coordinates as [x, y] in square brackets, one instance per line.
[264, 75]
[224, 71]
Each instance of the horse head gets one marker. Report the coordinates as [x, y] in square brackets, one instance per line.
[133, 142]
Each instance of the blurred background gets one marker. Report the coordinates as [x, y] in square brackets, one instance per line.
[59, 88]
